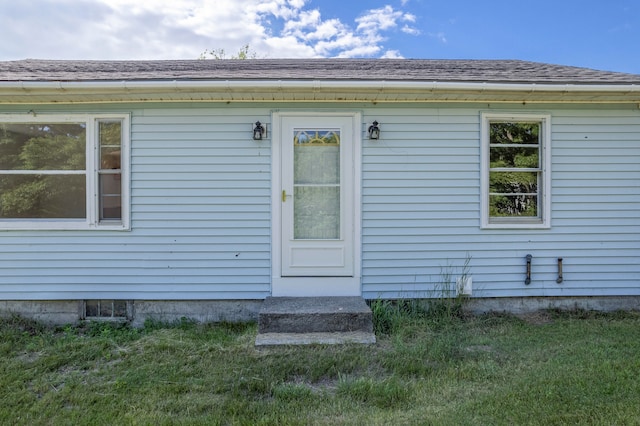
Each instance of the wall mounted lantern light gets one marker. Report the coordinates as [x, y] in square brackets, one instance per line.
[374, 131]
[259, 131]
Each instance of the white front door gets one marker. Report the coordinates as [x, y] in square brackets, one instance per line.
[318, 205]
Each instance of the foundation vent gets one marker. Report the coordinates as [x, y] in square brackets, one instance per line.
[107, 310]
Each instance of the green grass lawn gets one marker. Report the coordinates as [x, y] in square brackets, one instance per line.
[549, 368]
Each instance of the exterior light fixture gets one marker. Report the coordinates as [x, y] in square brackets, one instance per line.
[374, 131]
[259, 131]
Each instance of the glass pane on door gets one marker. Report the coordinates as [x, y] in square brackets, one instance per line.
[316, 182]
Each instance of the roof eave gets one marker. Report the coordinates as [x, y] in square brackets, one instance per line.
[29, 92]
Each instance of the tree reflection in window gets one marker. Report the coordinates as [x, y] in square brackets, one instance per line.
[42, 170]
[514, 169]
[110, 172]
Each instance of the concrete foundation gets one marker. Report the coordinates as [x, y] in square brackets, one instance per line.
[523, 305]
[57, 312]
[60, 312]
[52, 312]
[198, 310]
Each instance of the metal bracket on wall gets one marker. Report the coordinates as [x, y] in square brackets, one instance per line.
[527, 281]
[560, 278]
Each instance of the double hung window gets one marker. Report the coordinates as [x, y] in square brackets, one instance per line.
[64, 172]
[515, 171]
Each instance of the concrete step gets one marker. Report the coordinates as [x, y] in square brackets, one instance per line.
[308, 320]
[339, 338]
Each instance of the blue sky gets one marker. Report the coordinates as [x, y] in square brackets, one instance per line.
[589, 33]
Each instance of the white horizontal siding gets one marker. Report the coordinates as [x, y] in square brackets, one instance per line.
[421, 208]
[200, 220]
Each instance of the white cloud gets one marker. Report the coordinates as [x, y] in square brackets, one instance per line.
[440, 36]
[410, 30]
[392, 54]
[334, 38]
[310, 26]
[384, 18]
[170, 29]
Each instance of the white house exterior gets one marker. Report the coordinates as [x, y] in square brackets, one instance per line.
[193, 211]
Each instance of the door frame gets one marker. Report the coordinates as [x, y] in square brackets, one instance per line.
[314, 286]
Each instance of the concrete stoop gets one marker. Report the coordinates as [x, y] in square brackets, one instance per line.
[314, 320]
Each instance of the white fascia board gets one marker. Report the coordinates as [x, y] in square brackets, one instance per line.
[378, 85]
[316, 90]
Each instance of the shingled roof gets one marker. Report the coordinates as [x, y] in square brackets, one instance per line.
[310, 80]
[414, 70]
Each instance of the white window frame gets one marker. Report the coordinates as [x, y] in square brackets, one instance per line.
[92, 221]
[543, 220]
